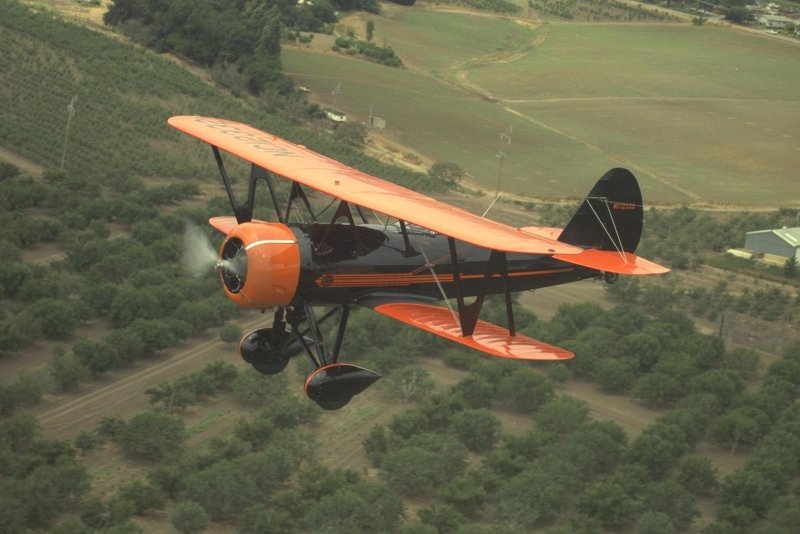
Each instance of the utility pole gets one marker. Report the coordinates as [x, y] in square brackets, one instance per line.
[70, 114]
[502, 156]
[506, 138]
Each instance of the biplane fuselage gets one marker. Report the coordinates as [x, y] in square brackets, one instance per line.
[353, 261]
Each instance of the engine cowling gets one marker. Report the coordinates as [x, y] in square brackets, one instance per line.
[259, 264]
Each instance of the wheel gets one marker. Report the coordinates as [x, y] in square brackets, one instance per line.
[334, 385]
[257, 349]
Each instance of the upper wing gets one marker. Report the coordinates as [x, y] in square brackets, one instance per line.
[338, 180]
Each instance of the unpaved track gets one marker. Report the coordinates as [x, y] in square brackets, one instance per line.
[122, 393]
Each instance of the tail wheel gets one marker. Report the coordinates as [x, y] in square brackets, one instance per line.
[610, 278]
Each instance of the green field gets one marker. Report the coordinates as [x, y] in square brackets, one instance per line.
[703, 115]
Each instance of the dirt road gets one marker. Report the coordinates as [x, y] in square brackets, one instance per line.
[122, 393]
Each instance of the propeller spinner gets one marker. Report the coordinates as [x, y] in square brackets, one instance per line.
[259, 265]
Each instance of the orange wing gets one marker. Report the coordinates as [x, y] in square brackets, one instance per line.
[333, 178]
[487, 337]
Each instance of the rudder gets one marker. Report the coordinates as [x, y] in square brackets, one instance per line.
[611, 216]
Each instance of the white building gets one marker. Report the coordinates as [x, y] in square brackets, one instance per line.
[776, 21]
[781, 242]
[336, 116]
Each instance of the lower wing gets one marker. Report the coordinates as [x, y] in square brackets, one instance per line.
[487, 337]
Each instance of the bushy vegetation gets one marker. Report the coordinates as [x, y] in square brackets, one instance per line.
[496, 6]
[41, 479]
[604, 10]
[118, 133]
[371, 51]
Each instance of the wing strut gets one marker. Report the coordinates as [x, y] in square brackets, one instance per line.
[244, 211]
[468, 313]
[297, 192]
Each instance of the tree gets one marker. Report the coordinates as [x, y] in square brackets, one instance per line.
[642, 346]
[782, 518]
[562, 414]
[251, 387]
[657, 447]
[351, 132]
[443, 517]
[152, 435]
[474, 390]
[376, 445]
[655, 523]
[697, 474]
[743, 361]
[478, 430]
[608, 502]
[596, 447]
[66, 369]
[224, 490]
[19, 433]
[8, 170]
[57, 318]
[525, 389]
[422, 467]
[747, 489]
[659, 389]
[230, 333]
[358, 507]
[189, 518]
[725, 385]
[370, 29]
[738, 14]
[540, 492]
[790, 268]
[466, 494]
[144, 497]
[743, 425]
[446, 171]
[672, 500]
[408, 384]
[616, 375]
[86, 440]
[97, 357]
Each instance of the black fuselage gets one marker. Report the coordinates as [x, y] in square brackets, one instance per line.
[341, 263]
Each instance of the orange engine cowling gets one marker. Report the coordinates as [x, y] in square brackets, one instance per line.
[259, 264]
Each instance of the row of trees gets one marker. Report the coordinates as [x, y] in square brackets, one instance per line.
[769, 303]
[606, 10]
[379, 54]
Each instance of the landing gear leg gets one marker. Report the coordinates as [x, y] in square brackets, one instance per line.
[332, 384]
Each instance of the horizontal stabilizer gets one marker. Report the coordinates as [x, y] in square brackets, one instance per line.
[489, 338]
[611, 261]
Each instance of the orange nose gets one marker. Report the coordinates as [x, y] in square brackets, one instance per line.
[260, 265]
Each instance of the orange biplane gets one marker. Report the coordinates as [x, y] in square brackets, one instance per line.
[432, 252]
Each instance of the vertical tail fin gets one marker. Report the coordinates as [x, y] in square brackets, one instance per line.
[611, 216]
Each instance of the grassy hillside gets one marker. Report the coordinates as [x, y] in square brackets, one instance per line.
[702, 114]
[124, 96]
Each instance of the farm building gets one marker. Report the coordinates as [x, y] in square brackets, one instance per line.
[776, 21]
[335, 116]
[781, 242]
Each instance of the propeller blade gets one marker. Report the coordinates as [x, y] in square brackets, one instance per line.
[199, 255]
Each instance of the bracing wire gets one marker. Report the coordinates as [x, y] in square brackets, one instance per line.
[430, 266]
